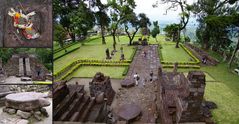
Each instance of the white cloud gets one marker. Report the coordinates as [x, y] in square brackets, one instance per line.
[157, 14]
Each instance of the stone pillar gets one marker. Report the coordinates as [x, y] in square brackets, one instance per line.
[28, 67]
[21, 68]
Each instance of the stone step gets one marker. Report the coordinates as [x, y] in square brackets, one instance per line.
[72, 108]
[87, 110]
[96, 113]
[64, 105]
[80, 110]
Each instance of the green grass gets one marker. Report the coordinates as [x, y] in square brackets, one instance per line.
[62, 52]
[42, 82]
[226, 100]
[172, 54]
[89, 71]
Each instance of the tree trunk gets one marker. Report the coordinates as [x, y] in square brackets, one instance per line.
[73, 37]
[233, 54]
[114, 39]
[156, 39]
[102, 34]
[178, 39]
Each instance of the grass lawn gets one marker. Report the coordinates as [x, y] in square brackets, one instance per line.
[57, 54]
[91, 51]
[172, 54]
[89, 71]
[226, 100]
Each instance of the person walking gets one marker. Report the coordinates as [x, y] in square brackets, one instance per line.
[151, 76]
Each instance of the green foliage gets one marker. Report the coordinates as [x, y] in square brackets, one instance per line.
[171, 30]
[45, 56]
[156, 29]
[6, 54]
[59, 34]
[75, 19]
[182, 66]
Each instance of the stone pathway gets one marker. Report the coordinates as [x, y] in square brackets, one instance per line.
[144, 96]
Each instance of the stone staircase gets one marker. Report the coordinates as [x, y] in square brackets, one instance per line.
[76, 106]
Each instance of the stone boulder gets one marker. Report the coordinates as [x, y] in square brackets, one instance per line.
[24, 115]
[26, 101]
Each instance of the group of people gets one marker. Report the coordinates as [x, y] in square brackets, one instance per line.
[137, 78]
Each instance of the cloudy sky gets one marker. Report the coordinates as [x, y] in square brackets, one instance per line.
[158, 14]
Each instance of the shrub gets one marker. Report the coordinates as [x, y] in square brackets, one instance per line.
[182, 66]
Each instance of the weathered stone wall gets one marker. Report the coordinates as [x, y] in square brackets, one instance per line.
[195, 98]
[102, 84]
[26, 65]
[180, 99]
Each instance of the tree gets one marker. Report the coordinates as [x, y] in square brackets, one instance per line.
[102, 18]
[131, 20]
[45, 56]
[118, 12]
[184, 15]
[6, 53]
[59, 34]
[207, 11]
[81, 20]
[155, 30]
[75, 17]
[172, 31]
[144, 23]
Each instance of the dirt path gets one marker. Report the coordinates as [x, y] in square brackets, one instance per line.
[144, 96]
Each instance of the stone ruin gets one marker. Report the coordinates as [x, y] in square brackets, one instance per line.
[42, 23]
[199, 53]
[180, 99]
[25, 65]
[143, 42]
[73, 104]
[101, 85]
[2, 72]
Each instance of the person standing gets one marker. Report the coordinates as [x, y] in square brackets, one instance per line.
[145, 54]
[136, 78]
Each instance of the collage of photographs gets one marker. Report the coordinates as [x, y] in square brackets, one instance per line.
[119, 61]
